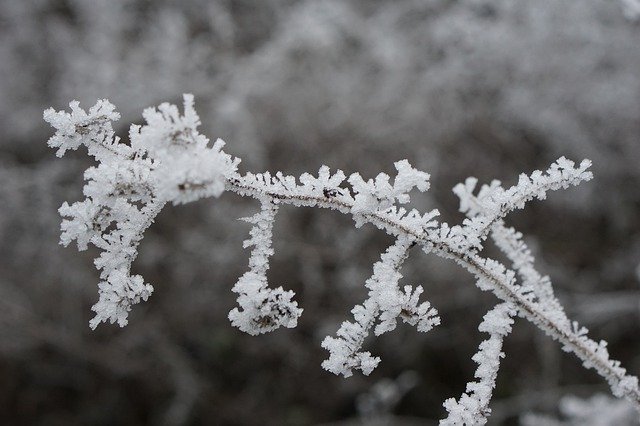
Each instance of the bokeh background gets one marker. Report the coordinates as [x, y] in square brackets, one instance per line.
[485, 88]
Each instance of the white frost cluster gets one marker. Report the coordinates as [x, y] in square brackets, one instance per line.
[263, 309]
[92, 129]
[486, 211]
[167, 160]
[379, 194]
[385, 304]
[473, 406]
[493, 202]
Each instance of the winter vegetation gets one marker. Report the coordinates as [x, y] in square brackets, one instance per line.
[489, 89]
[169, 161]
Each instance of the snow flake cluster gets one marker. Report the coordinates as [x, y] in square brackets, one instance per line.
[473, 406]
[380, 194]
[167, 160]
[535, 291]
[385, 304]
[493, 202]
[263, 309]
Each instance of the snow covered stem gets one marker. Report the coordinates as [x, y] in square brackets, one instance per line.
[168, 160]
[473, 263]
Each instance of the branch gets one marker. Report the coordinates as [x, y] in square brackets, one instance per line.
[169, 161]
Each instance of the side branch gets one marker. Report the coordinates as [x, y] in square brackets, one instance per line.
[483, 269]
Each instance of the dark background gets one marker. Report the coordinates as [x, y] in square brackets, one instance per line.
[461, 88]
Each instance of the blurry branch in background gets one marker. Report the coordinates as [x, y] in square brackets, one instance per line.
[631, 9]
[376, 406]
[598, 410]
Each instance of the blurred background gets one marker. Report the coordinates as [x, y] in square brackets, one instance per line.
[485, 88]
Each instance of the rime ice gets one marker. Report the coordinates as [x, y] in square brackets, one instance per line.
[169, 161]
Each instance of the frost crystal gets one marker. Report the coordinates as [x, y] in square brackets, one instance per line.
[473, 406]
[263, 309]
[385, 304]
[379, 194]
[494, 202]
[77, 128]
[167, 160]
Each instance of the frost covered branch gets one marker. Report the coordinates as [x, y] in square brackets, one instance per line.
[386, 303]
[167, 160]
[263, 309]
[473, 406]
